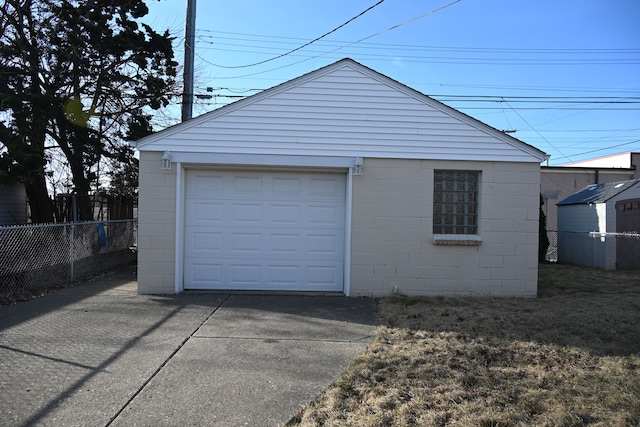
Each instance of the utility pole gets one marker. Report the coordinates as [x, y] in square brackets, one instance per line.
[189, 51]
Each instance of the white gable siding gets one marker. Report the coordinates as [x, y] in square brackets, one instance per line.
[343, 113]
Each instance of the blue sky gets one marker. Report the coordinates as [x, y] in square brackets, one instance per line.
[564, 74]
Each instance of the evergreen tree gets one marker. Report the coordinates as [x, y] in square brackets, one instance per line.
[82, 76]
[543, 239]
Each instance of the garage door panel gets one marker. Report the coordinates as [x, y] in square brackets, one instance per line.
[204, 213]
[246, 243]
[325, 244]
[288, 214]
[264, 231]
[239, 241]
[330, 187]
[245, 274]
[284, 243]
[324, 215]
[210, 242]
[205, 186]
[204, 274]
[247, 185]
[283, 276]
[246, 213]
[304, 215]
[288, 186]
[256, 274]
[324, 277]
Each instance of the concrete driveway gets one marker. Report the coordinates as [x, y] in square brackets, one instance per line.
[98, 354]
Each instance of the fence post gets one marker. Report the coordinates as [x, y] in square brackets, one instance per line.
[74, 204]
[71, 251]
[32, 256]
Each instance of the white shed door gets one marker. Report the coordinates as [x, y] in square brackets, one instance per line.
[257, 230]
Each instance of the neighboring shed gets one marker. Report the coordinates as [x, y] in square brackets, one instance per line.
[341, 180]
[13, 204]
[589, 220]
[559, 182]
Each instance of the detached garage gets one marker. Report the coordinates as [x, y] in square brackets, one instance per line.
[341, 180]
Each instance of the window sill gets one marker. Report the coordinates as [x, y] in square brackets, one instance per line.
[457, 239]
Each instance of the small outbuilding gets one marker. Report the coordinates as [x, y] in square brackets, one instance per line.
[341, 180]
[598, 226]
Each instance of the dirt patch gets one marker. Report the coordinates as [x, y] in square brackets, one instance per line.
[568, 358]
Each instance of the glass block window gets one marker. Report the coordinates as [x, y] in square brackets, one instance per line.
[455, 202]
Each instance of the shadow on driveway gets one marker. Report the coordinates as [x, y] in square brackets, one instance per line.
[99, 354]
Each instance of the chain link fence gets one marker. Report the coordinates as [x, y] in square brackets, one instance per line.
[38, 257]
[595, 249]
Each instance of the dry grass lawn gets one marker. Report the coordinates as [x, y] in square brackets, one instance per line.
[568, 358]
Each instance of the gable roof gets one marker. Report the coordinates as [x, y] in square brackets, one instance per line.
[359, 112]
[598, 193]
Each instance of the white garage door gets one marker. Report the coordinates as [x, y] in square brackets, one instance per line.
[252, 230]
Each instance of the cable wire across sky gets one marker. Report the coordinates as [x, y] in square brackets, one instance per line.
[560, 76]
[306, 44]
[343, 46]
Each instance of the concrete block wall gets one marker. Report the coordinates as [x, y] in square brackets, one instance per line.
[156, 225]
[392, 239]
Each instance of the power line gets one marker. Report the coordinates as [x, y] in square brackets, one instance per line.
[599, 149]
[341, 47]
[537, 88]
[588, 130]
[508, 97]
[533, 129]
[540, 99]
[558, 108]
[575, 103]
[530, 61]
[554, 56]
[395, 47]
[606, 55]
[306, 44]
